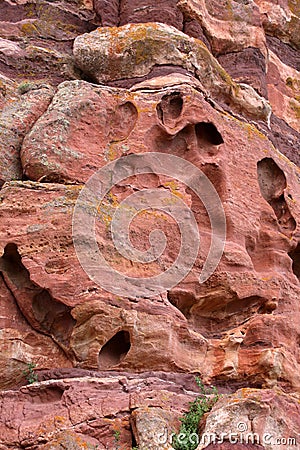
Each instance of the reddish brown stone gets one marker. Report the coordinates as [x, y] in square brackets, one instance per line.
[223, 320]
[108, 12]
[165, 11]
[36, 38]
[247, 66]
[118, 371]
[20, 110]
[253, 416]
[80, 412]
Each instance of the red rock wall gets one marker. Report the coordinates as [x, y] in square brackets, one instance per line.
[216, 84]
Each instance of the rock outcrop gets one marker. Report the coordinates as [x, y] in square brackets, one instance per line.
[164, 139]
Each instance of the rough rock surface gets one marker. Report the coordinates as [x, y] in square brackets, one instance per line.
[215, 83]
[18, 115]
[137, 50]
[36, 38]
[255, 417]
[92, 410]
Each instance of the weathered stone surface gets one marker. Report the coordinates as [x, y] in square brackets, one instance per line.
[128, 121]
[36, 38]
[98, 354]
[150, 11]
[46, 61]
[153, 427]
[255, 287]
[20, 344]
[285, 138]
[284, 91]
[109, 55]
[281, 19]
[85, 412]
[229, 26]
[254, 416]
[19, 112]
[247, 66]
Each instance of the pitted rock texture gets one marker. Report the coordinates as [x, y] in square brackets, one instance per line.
[255, 287]
[83, 83]
[110, 411]
[136, 50]
[18, 115]
[127, 121]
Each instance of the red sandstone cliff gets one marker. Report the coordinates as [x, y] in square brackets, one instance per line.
[216, 85]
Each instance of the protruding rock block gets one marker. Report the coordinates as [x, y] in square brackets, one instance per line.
[134, 51]
[252, 419]
[20, 111]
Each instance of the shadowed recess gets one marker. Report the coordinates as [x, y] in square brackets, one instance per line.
[170, 107]
[123, 121]
[207, 133]
[214, 316]
[50, 394]
[115, 350]
[272, 183]
[53, 317]
[295, 256]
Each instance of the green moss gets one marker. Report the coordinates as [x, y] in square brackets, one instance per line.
[185, 439]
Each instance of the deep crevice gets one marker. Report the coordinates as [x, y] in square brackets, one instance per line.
[213, 319]
[49, 316]
[295, 256]
[114, 351]
[170, 107]
[272, 183]
[207, 133]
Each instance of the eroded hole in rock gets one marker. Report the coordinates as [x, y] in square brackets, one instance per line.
[53, 317]
[115, 350]
[47, 395]
[295, 256]
[11, 265]
[165, 143]
[183, 301]
[170, 107]
[207, 133]
[272, 183]
[211, 318]
[123, 121]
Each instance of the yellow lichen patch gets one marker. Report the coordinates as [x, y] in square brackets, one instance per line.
[152, 213]
[293, 83]
[295, 106]
[294, 6]
[111, 152]
[28, 28]
[106, 209]
[174, 188]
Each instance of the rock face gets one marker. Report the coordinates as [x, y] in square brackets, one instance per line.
[254, 417]
[162, 138]
[17, 117]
